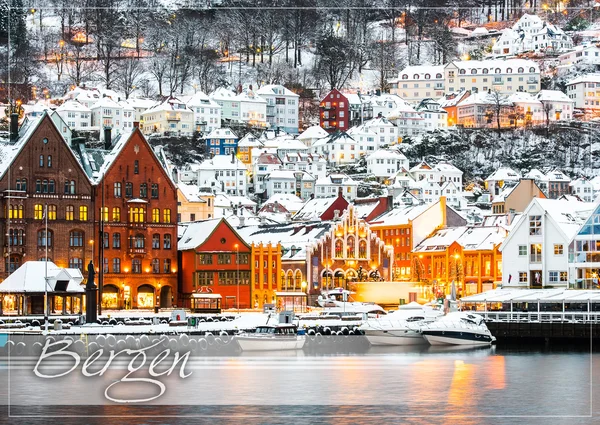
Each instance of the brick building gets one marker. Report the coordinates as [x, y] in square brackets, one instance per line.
[40, 172]
[215, 259]
[136, 204]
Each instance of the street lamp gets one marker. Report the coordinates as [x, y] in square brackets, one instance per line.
[304, 286]
[237, 262]
[457, 266]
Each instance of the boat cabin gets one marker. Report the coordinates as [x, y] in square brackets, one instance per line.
[277, 330]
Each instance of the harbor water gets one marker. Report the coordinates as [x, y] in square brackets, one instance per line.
[521, 384]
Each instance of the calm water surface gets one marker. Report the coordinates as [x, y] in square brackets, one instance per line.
[557, 384]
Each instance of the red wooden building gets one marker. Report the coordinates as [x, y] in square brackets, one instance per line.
[215, 259]
[334, 112]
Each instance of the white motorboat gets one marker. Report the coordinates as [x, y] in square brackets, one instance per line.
[333, 307]
[272, 337]
[458, 328]
[401, 327]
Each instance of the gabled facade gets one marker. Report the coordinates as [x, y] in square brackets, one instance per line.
[584, 254]
[41, 173]
[334, 112]
[222, 141]
[282, 107]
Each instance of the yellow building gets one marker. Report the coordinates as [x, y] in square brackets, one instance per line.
[245, 148]
[193, 205]
[265, 273]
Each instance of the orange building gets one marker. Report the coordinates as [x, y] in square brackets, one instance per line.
[215, 259]
[266, 273]
[468, 256]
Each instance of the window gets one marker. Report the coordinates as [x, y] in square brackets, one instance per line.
[76, 263]
[42, 239]
[205, 258]
[522, 277]
[224, 259]
[83, 213]
[143, 190]
[562, 276]
[535, 225]
[155, 265]
[75, 238]
[155, 215]
[167, 266]
[22, 185]
[42, 161]
[104, 213]
[15, 211]
[137, 242]
[136, 215]
[51, 212]
[117, 189]
[38, 212]
[136, 167]
[156, 241]
[49, 161]
[166, 215]
[69, 187]
[51, 187]
[116, 265]
[16, 237]
[116, 214]
[129, 190]
[44, 186]
[106, 240]
[38, 186]
[522, 250]
[155, 191]
[167, 242]
[535, 251]
[136, 265]
[558, 249]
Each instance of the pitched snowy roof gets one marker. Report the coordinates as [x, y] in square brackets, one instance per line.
[440, 240]
[400, 216]
[485, 98]
[222, 162]
[171, 104]
[451, 99]
[30, 278]
[281, 174]
[338, 137]
[249, 141]
[190, 192]
[386, 154]
[586, 78]
[139, 103]
[569, 215]
[557, 176]
[197, 233]
[293, 235]
[314, 132]
[292, 144]
[553, 96]
[292, 203]
[523, 97]
[106, 102]
[313, 209]
[200, 99]
[328, 180]
[504, 173]
[421, 71]
[268, 158]
[222, 94]
[222, 133]
[275, 89]
[446, 167]
[535, 174]
[492, 64]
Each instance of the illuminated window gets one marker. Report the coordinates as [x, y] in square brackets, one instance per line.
[167, 215]
[155, 215]
[15, 211]
[167, 266]
[83, 213]
[104, 213]
[38, 212]
[51, 212]
[136, 215]
[116, 214]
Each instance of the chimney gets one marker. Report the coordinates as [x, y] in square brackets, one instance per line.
[390, 203]
[14, 126]
[107, 138]
[336, 215]
[232, 157]
[242, 221]
[288, 217]
[136, 124]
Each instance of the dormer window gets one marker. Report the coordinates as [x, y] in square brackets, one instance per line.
[462, 71]
[404, 77]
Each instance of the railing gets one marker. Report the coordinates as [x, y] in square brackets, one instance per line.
[137, 250]
[542, 316]
[535, 258]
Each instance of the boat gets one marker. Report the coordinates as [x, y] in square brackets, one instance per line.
[272, 337]
[401, 327]
[333, 307]
[458, 328]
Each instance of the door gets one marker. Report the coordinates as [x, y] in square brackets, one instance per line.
[165, 297]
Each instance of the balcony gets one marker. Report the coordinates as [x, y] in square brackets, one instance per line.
[137, 251]
[173, 117]
[327, 108]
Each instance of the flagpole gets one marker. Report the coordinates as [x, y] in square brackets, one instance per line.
[46, 313]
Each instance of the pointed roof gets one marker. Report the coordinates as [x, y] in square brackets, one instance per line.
[30, 278]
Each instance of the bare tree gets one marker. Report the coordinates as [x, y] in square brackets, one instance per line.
[385, 62]
[128, 75]
[336, 60]
[547, 108]
[79, 66]
[498, 104]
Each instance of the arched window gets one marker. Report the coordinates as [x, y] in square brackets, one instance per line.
[509, 70]
[116, 214]
[532, 69]
[117, 189]
[166, 215]
[42, 161]
[69, 212]
[473, 71]
[69, 187]
[116, 265]
[155, 215]
[339, 248]
[51, 186]
[138, 241]
[289, 279]
[350, 247]
[104, 213]
[520, 70]
[38, 186]
[497, 71]
[44, 186]
[83, 213]
[136, 167]
[136, 265]
[462, 71]
[427, 76]
[49, 162]
[438, 76]
[484, 71]
[167, 241]
[143, 190]
[404, 77]
[416, 77]
[156, 241]
[155, 265]
[76, 239]
[362, 249]
[38, 212]
[51, 212]
[13, 263]
[15, 211]
[44, 238]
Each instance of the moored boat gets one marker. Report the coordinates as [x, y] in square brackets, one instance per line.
[272, 337]
[458, 328]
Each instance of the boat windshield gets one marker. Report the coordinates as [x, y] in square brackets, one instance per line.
[265, 330]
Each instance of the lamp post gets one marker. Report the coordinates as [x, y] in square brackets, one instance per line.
[237, 262]
[304, 286]
[458, 266]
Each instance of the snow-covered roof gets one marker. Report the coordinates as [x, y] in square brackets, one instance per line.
[106, 102]
[440, 240]
[197, 233]
[400, 216]
[504, 173]
[338, 138]
[329, 180]
[553, 96]
[171, 104]
[535, 174]
[492, 64]
[190, 192]
[292, 144]
[313, 209]
[222, 162]
[275, 89]
[585, 78]
[281, 174]
[451, 99]
[446, 167]
[290, 202]
[294, 235]
[422, 71]
[30, 278]
[523, 97]
[314, 132]
[569, 215]
[199, 99]
[222, 133]
[485, 98]
[140, 103]
[268, 158]
[479, 31]
[557, 176]
[249, 141]
[386, 154]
